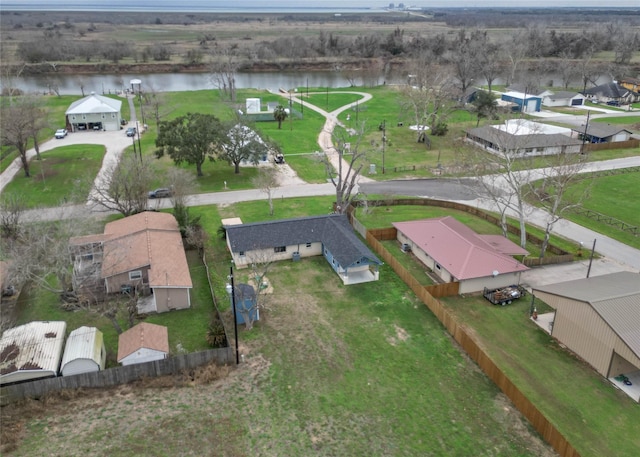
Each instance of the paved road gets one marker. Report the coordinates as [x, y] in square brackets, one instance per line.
[467, 191]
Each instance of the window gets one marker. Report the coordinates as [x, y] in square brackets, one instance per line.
[308, 245]
[133, 275]
[438, 267]
[86, 257]
[241, 253]
[280, 249]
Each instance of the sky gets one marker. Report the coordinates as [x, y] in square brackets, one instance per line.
[338, 4]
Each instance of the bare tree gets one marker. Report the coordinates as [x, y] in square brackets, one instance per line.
[347, 160]
[10, 75]
[552, 192]
[504, 174]
[155, 102]
[19, 123]
[224, 67]
[41, 251]
[428, 95]
[515, 50]
[12, 208]
[267, 180]
[124, 186]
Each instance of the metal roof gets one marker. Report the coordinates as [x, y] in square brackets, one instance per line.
[31, 351]
[83, 343]
[333, 231]
[459, 249]
[94, 104]
[615, 297]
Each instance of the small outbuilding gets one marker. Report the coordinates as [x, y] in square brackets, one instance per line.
[597, 132]
[31, 351]
[143, 343]
[84, 352]
[94, 112]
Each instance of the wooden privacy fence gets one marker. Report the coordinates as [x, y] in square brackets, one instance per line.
[611, 145]
[537, 419]
[117, 375]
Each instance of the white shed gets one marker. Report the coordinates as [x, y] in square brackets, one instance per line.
[84, 352]
[143, 343]
[94, 112]
[253, 105]
[31, 351]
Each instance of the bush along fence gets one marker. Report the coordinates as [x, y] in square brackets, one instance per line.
[125, 374]
[468, 343]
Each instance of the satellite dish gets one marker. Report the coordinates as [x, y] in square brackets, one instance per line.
[495, 273]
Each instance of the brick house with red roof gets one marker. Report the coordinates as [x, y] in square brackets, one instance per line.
[455, 253]
[142, 253]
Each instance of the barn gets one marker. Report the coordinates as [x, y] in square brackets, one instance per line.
[84, 352]
[31, 351]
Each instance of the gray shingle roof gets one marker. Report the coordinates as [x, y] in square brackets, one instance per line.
[609, 90]
[334, 231]
[509, 141]
[600, 130]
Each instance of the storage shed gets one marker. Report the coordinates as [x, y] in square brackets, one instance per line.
[84, 352]
[143, 343]
[31, 351]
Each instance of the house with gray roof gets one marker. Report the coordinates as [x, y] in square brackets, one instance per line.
[523, 138]
[292, 239]
[611, 92]
[598, 318]
[597, 132]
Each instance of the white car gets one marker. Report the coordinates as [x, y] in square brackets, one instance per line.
[61, 133]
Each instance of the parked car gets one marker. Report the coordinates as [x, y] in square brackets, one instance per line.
[162, 192]
[613, 103]
[61, 133]
[131, 131]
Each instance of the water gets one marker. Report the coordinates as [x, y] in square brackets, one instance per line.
[178, 82]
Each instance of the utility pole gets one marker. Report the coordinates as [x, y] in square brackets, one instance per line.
[232, 290]
[584, 134]
[384, 140]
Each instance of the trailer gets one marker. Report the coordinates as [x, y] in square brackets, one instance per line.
[504, 295]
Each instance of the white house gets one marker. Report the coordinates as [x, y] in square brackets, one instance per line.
[84, 352]
[94, 112]
[563, 98]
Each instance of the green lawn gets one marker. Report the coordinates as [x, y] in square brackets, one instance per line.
[617, 196]
[61, 176]
[595, 417]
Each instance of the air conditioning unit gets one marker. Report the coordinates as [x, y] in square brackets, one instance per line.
[295, 256]
[406, 247]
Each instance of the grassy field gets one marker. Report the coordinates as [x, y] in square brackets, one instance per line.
[59, 176]
[617, 196]
[330, 370]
